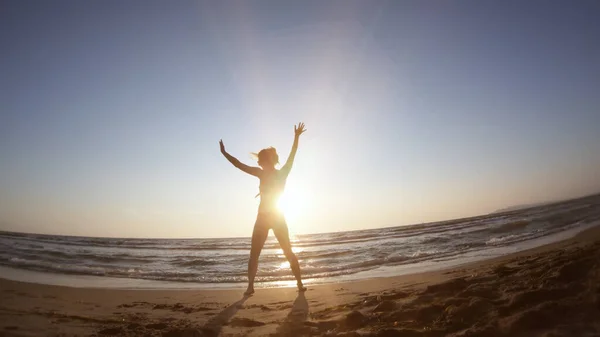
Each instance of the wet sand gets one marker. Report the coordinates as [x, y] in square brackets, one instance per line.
[552, 290]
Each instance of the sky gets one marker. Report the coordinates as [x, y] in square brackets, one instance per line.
[417, 111]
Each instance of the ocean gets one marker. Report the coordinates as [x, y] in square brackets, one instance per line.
[331, 257]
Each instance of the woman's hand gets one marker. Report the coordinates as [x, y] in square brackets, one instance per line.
[299, 129]
[222, 146]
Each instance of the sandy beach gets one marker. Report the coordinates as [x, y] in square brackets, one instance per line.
[360, 168]
[553, 290]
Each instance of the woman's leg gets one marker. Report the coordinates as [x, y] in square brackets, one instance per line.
[283, 236]
[259, 236]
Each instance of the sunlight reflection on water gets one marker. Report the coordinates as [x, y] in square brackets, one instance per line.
[296, 250]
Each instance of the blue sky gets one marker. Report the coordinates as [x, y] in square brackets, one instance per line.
[416, 111]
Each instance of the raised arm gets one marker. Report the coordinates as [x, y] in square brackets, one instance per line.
[298, 130]
[255, 171]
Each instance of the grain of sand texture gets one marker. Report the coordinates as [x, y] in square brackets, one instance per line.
[552, 290]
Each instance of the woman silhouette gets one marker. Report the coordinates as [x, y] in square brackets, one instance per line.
[272, 184]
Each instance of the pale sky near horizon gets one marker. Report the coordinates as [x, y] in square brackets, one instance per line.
[417, 111]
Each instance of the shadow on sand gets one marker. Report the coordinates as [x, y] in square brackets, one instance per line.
[214, 325]
[293, 325]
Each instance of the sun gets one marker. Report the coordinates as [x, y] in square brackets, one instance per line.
[293, 203]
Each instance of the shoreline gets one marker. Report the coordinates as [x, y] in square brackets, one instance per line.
[581, 236]
[510, 292]
[104, 282]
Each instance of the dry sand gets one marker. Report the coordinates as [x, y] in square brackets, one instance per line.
[548, 291]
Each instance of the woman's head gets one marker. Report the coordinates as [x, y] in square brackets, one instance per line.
[267, 158]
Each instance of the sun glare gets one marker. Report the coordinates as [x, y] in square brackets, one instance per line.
[293, 203]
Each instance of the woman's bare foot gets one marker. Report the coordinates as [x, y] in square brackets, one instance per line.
[249, 291]
[301, 287]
